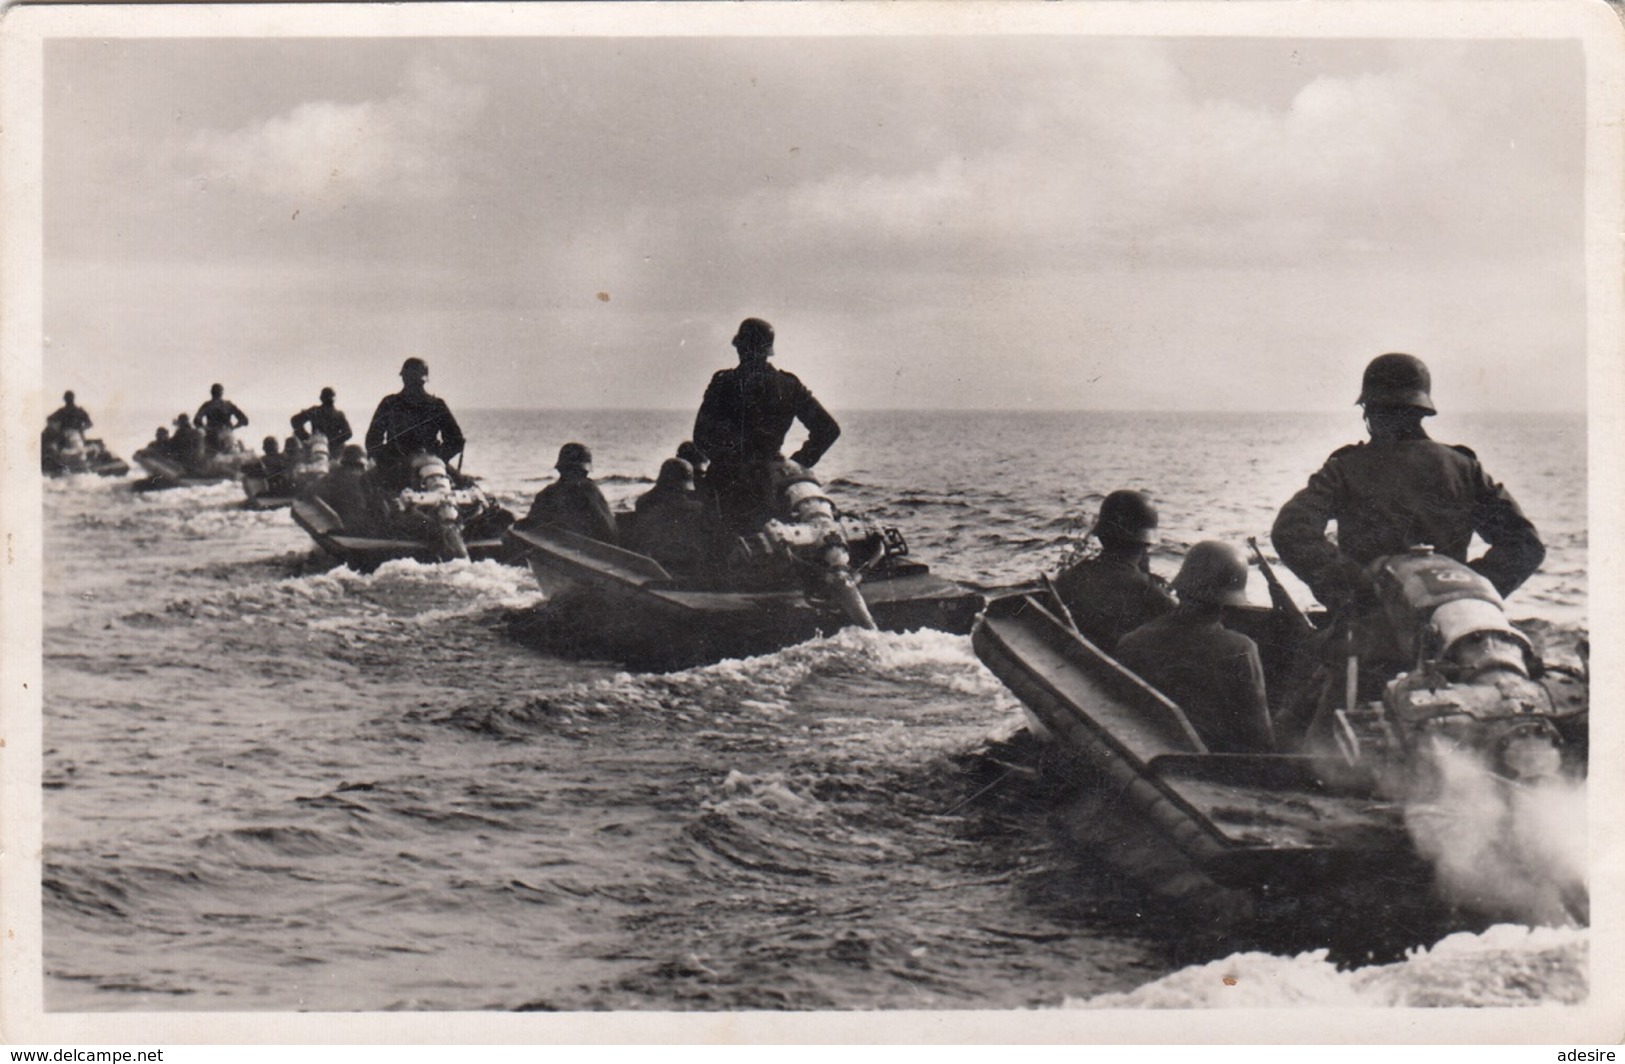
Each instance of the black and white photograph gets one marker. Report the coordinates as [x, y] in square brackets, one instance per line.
[871, 522]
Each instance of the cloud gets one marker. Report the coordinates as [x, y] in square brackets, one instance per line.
[402, 147]
[1425, 154]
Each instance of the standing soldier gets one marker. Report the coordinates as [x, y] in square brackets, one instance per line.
[325, 419]
[218, 418]
[742, 423]
[68, 417]
[1400, 490]
[410, 422]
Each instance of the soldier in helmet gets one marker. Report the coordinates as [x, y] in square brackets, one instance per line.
[1400, 490]
[1213, 674]
[326, 419]
[672, 525]
[1115, 592]
[218, 418]
[410, 422]
[573, 502]
[742, 423]
[69, 417]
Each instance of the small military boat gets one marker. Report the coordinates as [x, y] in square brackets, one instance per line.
[435, 520]
[167, 468]
[69, 453]
[809, 572]
[267, 491]
[1283, 823]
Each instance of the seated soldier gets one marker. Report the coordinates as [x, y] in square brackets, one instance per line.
[672, 525]
[186, 442]
[573, 501]
[345, 490]
[271, 467]
[1114, 592]
[1210, 672]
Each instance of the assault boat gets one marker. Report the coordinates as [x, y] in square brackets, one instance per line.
[166, 469]
[266, 492]
[810, 572]
[68, 453]
[1282, 823]
[434, 520]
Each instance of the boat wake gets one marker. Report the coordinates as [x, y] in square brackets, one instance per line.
[1503, 966]
[1507, 851]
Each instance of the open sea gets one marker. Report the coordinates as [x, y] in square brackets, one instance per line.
[274, 785]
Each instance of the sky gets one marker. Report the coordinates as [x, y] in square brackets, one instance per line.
[1059, 221]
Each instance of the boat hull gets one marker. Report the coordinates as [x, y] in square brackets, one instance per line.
[367, 549]
[607, 602]
[1255, 822]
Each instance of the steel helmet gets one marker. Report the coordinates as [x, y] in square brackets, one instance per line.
[353, 455]
[573, 455]
[1213, 572]
[415, 366]
[675, 473]
[1397, 380]
[754, 335]
[691, 454]
[328, 393]
[1127, 517]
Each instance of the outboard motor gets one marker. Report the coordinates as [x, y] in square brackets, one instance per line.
[443, 505]
[318, 457]
[813, 533]
[1475, 683]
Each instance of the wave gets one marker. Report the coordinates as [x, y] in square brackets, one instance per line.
[1506, 965]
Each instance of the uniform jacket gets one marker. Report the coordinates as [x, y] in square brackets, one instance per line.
[218, 414]
[1210, 672]
[748, 410]
[70, 418]
[1110, 596]
[671, 527]
[1389, 495]
[407, 422]
[327, 420]
[575, 503]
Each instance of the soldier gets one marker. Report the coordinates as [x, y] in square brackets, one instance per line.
[573, 501]
[68, 417]
[742, 423]
[1115, 592]
[672, 524]
[325, 419]
[218, 418]
[1398, 491]
[1213, 674]
[409, 422]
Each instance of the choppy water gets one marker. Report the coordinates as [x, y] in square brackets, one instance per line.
[272, 785]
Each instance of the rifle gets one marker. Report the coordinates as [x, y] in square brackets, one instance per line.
[1278, 594]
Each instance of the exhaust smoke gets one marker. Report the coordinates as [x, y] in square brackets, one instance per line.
[1506, 850]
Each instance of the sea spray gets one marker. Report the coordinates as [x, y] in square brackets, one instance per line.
[1500, 848]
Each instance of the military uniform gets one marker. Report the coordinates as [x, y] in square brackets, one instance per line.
[1389, 495]
[1210, 672]
[741, 425]
[217, 416]
[327, 420]
[405, 424]
[671, 527]
[70, 419]
[1110, 596]
[575, 503]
